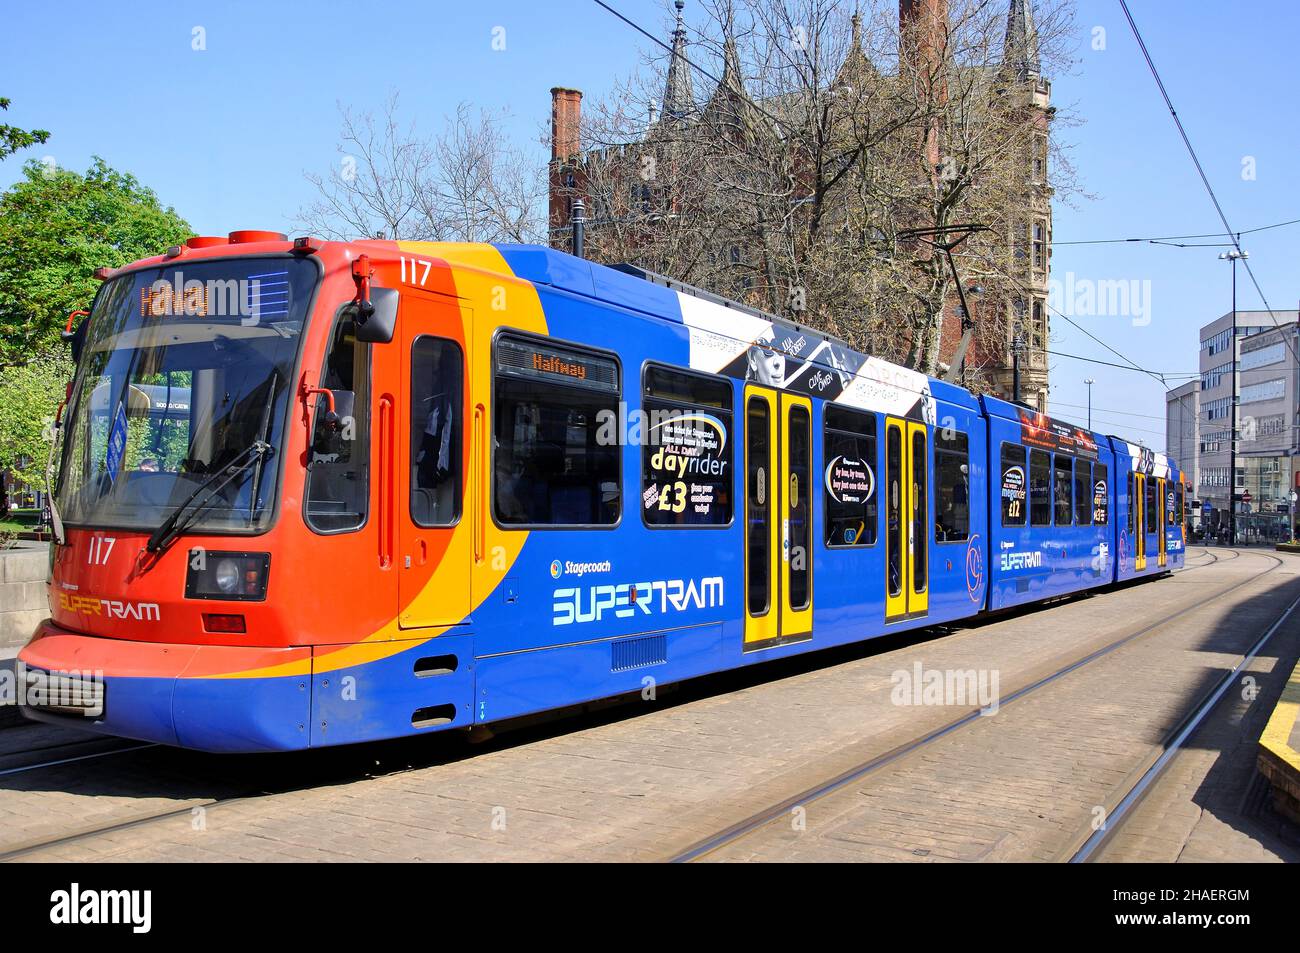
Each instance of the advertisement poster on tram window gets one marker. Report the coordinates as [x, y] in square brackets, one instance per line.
[1040, 430]
[1013, 491]
[850, 481]
[687, 470]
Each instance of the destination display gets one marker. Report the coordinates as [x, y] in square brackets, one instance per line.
[524, 358]
[1040, 430]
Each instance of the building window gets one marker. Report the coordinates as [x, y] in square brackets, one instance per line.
[1264, 390]
[849, 447]
[1263, 356]
[686, 473]
[1218, 409]
[436, 442]
[952, 486]
[1040, 245]
[1062, 476]
[549, 467]
[1213, 377]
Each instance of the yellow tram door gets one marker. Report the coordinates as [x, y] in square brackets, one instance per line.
[1139, 521]
[1162, 556]
[907, 519]
[423, 475]
[778, 518]
[762, 624]
[796, 516]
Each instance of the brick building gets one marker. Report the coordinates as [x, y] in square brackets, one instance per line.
[1021, 322]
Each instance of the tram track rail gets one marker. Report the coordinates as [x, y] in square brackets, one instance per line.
[66, 752]
[183, 808]
[69, 753]
[760, 820]
[1087, 847]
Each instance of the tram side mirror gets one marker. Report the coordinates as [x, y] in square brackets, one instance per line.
[378, 325]
[334, 421]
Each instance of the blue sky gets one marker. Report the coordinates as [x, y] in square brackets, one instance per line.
[225, 134]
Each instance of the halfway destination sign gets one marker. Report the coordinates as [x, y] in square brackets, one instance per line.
[529, 359]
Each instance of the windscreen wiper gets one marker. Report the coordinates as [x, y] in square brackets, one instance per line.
[184, 514]
[264, 430]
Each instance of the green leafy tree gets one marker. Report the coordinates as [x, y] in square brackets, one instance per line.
[29, 397]
[12, 138]
[56, 228]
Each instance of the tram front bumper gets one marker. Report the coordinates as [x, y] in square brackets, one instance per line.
[218, 698]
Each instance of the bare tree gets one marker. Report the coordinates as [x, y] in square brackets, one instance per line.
[817, 175]
[467, 183]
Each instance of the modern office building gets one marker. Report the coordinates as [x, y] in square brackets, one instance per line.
[1267, 445]
[1183, 429]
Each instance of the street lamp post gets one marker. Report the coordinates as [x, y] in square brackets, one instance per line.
[1089, 381]
[1017, 346]
[1233, 256]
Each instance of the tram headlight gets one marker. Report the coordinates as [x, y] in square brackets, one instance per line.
[227, 575]
[239, 577]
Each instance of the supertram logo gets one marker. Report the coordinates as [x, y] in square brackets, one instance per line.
[661, 597]
[112, 608]
[1013, 561]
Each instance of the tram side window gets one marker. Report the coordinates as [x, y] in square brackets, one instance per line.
[1013, 485]
[1040, 488]
[1179, 504]
[551, 464]
[1062, 476]
[849, 444]
[338, 471]
[1083, 492]
[436, 443]
[686, 474]
[1151, 504]
[952, 486]
[1100, 495]
[1129, 500]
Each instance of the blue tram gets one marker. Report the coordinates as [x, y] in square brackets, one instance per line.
[567, 481]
